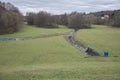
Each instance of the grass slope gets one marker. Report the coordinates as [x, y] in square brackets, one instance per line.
[101, 38]
[32, 31]
[53, 59]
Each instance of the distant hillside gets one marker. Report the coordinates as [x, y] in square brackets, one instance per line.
[102, 13]
[111, 18]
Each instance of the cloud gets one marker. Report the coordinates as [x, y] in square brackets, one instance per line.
[62, 6]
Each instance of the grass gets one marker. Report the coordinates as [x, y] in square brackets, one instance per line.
[101, 38]
[54, 58]
[32, 31]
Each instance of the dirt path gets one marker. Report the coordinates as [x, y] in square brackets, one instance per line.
[80, 46]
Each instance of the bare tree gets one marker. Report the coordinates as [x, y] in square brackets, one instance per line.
[10, 21]
[30, 17]
[77, 21]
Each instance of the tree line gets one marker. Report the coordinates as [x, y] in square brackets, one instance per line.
[111, 18]
[10, 18]
[41, 19]
[74, 20]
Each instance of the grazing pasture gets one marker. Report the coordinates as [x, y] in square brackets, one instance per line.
[101, 38]
[53, 58]
[33, 31]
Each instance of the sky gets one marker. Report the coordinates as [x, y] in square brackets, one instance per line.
[64, 6]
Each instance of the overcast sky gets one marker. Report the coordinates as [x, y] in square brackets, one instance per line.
[62, 6]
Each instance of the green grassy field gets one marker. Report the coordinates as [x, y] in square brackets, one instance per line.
[54, 58]
[101, 38]
[30, 31]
